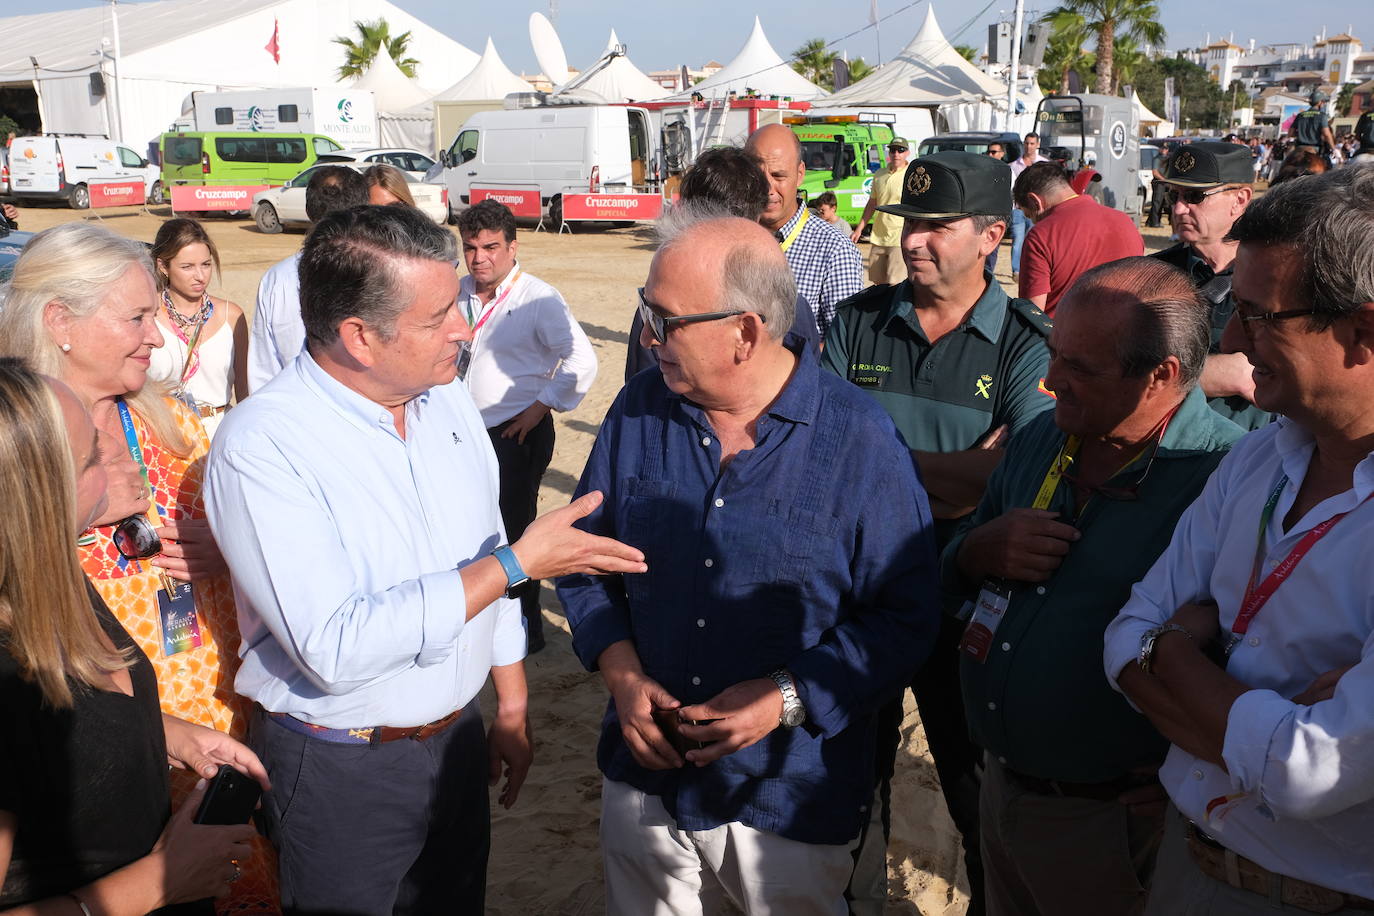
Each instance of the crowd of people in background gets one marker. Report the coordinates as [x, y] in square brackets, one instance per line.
[298, 547]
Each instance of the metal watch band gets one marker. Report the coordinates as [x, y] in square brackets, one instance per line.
[1150, 639]
[793, 712]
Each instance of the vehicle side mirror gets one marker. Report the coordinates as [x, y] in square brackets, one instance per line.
[444, 160]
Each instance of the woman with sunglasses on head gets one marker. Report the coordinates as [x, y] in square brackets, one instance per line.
[85, 817]
[204, 353]
[81, 306]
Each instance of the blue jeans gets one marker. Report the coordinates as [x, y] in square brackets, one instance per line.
[1019, 227]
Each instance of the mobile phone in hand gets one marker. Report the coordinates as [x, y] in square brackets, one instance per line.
[229, 799]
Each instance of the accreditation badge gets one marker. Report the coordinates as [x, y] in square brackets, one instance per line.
[988, 611]
[180, 625]
[464, 359]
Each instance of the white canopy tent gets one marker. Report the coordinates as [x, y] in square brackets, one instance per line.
[391, 89]
[489, 79]
[928, 72]
[622, 81]
[1151, 124]
[170, 48]
[760, 68]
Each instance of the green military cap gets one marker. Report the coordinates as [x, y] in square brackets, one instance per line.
[898, 143]
[953, 184]
[1209, 164]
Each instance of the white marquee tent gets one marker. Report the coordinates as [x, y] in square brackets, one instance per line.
[489, 79]
[622, 81]
[760, 68]
[391, 89]
[170, 48]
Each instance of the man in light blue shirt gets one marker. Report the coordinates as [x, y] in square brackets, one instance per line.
[355, 500]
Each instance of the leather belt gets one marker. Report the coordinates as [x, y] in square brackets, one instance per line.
[205, 410]
[1097, 791]
[1217, 862]
[376, 734]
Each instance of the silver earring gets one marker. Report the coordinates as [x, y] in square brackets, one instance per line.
[66, 348]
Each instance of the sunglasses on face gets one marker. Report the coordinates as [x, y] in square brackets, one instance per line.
[136, 539]
[659, 326]
[1191, 196]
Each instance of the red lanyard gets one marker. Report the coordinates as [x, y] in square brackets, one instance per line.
[495, 302]
[1257, 596]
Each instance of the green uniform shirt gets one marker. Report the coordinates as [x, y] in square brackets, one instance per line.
[1040, 702]
[943, 397]
[1215, 287]
[1308, 126]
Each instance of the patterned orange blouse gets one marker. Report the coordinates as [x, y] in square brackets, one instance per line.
[196, 684]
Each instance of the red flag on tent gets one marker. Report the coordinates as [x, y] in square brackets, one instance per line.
[273, 47]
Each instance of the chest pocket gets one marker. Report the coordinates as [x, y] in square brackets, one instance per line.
[651, 523]
[806, 534]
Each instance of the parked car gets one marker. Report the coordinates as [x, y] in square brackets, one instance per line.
[12, 242]
[407, 160]
[277, 208]
[63, 168]
[972, 141]
[4, 170]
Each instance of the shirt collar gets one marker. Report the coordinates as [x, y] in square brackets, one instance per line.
[790, 224]
[467, 287]
[799, 399]
[987, 318]
[1294, 445]
[361, 411]
[1196, 427]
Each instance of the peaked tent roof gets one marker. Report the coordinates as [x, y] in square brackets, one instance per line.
[757, 66]
[622, 81]
[391, 89]
[1146, 115]
[928, 71]
[490, 79]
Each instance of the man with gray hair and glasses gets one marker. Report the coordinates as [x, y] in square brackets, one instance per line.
[780, 607]
[1083, 502]
[1250, 644]
[355, 500]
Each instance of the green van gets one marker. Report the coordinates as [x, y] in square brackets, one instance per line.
[246, 158]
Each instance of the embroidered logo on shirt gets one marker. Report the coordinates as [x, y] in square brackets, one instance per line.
[456, 440]
[984, 386]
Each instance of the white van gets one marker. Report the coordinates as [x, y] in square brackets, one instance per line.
[63, 168]
[557, 149]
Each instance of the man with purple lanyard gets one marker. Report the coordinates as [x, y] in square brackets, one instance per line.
[1249, 643]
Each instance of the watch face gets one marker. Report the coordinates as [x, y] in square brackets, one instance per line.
[793, 717]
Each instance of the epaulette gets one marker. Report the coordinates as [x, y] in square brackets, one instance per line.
[869, 299]
[1031, 316]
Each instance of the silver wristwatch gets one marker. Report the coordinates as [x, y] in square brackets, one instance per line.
[793, 712]
[1150, 637]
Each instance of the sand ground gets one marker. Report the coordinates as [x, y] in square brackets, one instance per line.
[545, 857]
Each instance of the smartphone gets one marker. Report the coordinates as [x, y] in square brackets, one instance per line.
[229, 799]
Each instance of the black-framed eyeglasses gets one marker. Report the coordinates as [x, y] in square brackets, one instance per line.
[1192, 196]
[1266, 318]
[659, 326]
[136, 539]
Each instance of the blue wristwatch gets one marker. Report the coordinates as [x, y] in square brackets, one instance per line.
[515, 576]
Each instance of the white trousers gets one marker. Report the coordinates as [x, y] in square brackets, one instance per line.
[653, 868]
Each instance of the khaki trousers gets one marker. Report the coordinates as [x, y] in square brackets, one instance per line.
[885, 265]
[655, 869]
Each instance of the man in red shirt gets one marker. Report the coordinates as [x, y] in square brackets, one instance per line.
[1072, 233]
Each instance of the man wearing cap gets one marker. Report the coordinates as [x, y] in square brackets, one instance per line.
[958, 365]
[885, 264]
[824, 262]
[1311, 128]
[1207, 188]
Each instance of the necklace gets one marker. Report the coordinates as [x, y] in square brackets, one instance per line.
[183, 322]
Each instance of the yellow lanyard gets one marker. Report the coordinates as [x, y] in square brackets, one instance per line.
[796, 230]
[1056, 471]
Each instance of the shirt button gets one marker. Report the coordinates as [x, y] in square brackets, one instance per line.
[1254, 640]
[1197, 774]
[701, 621]
[710, 562]
[1040, 589]
[719, 503]
[696, 682]
[705, 440]
[1006, 647]
[991, 705]
[1002, 760]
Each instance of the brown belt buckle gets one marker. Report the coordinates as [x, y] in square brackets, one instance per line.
[417, 732]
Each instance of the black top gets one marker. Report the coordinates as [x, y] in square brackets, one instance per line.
[87, 785]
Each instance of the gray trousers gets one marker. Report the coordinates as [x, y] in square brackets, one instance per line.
[370, 830]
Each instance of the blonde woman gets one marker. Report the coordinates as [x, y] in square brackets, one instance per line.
[386, 185]
[81, 306]
[85, 822]
[204, 352]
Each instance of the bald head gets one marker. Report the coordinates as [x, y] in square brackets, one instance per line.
[779, 154]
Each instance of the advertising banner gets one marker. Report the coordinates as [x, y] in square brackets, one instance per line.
[618, 207]
[214, 197]
[116, 193]
[523, 202]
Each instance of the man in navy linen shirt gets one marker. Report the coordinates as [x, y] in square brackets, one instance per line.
[778, 606]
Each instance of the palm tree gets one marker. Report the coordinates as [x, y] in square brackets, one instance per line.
[1127, 59]
[858, 69]
[1137, 19]
[372, 38]
[967, 53]
[1064, 54]
[813, 60]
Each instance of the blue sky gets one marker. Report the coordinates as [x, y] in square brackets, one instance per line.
[660, 35]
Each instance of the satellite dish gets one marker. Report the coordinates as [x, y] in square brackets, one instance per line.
[548, 50]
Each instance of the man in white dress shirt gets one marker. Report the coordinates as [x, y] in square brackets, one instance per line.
[527, 358]
[277, 334]
[355, 500]
[1250, 644]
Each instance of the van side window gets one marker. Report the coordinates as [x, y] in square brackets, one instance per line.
[224, 116]
[325, 145]
[286, 149]
[287, 114]
[181, 151]
[466, 146]
[130, 159]
[240, 149]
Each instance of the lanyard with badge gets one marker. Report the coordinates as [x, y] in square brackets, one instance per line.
[796, 230]
[176, 604]
[466, 350]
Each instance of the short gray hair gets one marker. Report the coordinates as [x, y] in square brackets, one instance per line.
[1167, 316]
[748, 282]
[349, 266]
[1328, 222]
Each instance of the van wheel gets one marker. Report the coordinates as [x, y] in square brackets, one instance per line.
[79, 197]
[266, 218]
[158, 195]
[556, 214]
